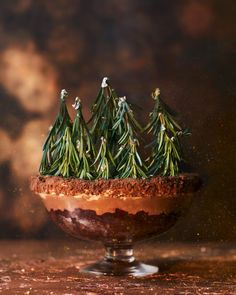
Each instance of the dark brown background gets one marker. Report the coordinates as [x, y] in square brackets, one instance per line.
[184, 47]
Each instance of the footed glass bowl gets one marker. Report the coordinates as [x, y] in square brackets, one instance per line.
[117, 212]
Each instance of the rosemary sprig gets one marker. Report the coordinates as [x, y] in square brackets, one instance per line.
[166, 150]
[83, 141]
[128, 158]
[104, 160]
[104, 112]
[50, 147]
[103, 118]
[66, 163]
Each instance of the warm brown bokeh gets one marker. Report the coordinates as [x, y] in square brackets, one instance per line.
[184, 47]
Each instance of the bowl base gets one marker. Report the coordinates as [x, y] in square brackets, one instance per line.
[118, 268]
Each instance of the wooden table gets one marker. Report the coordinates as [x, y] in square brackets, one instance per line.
[52, 267]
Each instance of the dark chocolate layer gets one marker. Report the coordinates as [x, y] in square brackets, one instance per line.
[119, 226]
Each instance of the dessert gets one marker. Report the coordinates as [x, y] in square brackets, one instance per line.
[96, 186]
[115, 209]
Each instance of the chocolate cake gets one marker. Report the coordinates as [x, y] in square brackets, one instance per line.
[115, 209]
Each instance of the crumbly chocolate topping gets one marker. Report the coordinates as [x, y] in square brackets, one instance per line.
[160, 186]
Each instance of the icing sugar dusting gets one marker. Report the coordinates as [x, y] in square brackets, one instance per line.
[104, 82]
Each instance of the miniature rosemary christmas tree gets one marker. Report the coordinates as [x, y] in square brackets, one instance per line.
[166, 150]
[50, 152]
[103, 118]
[126, 126]
[83, 141]
[104, 112]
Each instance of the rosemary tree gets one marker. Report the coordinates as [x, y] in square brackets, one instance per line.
[166, 150]
[103, 119]
[129, 160]
[83, 141]
[50, 152]
[103, 111]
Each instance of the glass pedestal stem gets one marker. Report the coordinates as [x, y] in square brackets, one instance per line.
[119, 253]
[119, 260]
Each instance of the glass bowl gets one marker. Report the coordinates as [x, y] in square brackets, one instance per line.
[117, 212]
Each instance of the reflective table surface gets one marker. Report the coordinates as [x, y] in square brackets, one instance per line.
[52, 267]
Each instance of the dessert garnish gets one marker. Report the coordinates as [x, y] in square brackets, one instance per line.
[108, 145]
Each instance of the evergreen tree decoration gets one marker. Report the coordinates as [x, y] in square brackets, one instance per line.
[83, 141]
[166, 150]
[50, 146]
[111, 148]
[103, 118]
[128, 158]
[103, 112]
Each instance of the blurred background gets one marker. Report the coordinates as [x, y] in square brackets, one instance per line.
[183, 47]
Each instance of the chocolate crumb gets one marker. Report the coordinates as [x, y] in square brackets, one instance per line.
[161, 186]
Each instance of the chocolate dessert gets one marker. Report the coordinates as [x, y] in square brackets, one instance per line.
[96, 185]
[115, 209]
